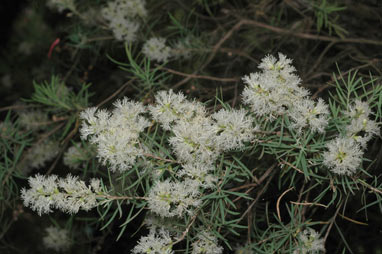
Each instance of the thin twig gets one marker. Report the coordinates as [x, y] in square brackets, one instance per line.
[292, 166]
[352, 220]
[369, 186]
[332, 221]
[257, 197]
[109, 197]
[308, 204]
[278, 201]
[15, 107]
[115, 93]
[185, 232]
[310, 36]
[214, 51]
[200, 76]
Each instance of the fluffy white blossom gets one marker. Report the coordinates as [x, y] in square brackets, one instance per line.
[67, 194]
[57, 239]
[171, 107]
[362, 130]
[169, 199]
[39, 154]
[307, 113]
[123, 18]
[206, 243]
[234, 128]
[157, 242]
[124, 29]
[359, 109]
[195, 141]
[156, 49]
[309, 242]
[274, 90]
[344, 156]
[116, 134]
[128, 8]
[200, 172]
[33, 119]
[361, 127]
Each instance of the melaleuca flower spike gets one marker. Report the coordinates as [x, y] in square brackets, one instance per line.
[67, 194]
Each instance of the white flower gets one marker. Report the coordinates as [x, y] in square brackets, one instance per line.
[307, 113]
[116, 134]
[124, 29]
[358, 109]
[344, 156]
[274, 90]
[156, 49]
[309, 242]
[169, 199]
[39, 154]
[171, 107]
[128, 8]
[200, 172]
[57, 239]
[67, 194]
[361, 128]
[234, 128]
[33, 119]
[195, 141]
[122, 17]
[206, 243]
[157, 242]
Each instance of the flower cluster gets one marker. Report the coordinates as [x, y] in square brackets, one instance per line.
[123, 18]
[156, 49]
[197, 136]
[197, 140]
[116, 134]
[361, 128]
[33, 119]
[157, 241]
[39, 154]
[169, 199]
[275, 91]
[344, 154]
[310, 242]
[206, 243]
[67, 194]
[57, 239]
